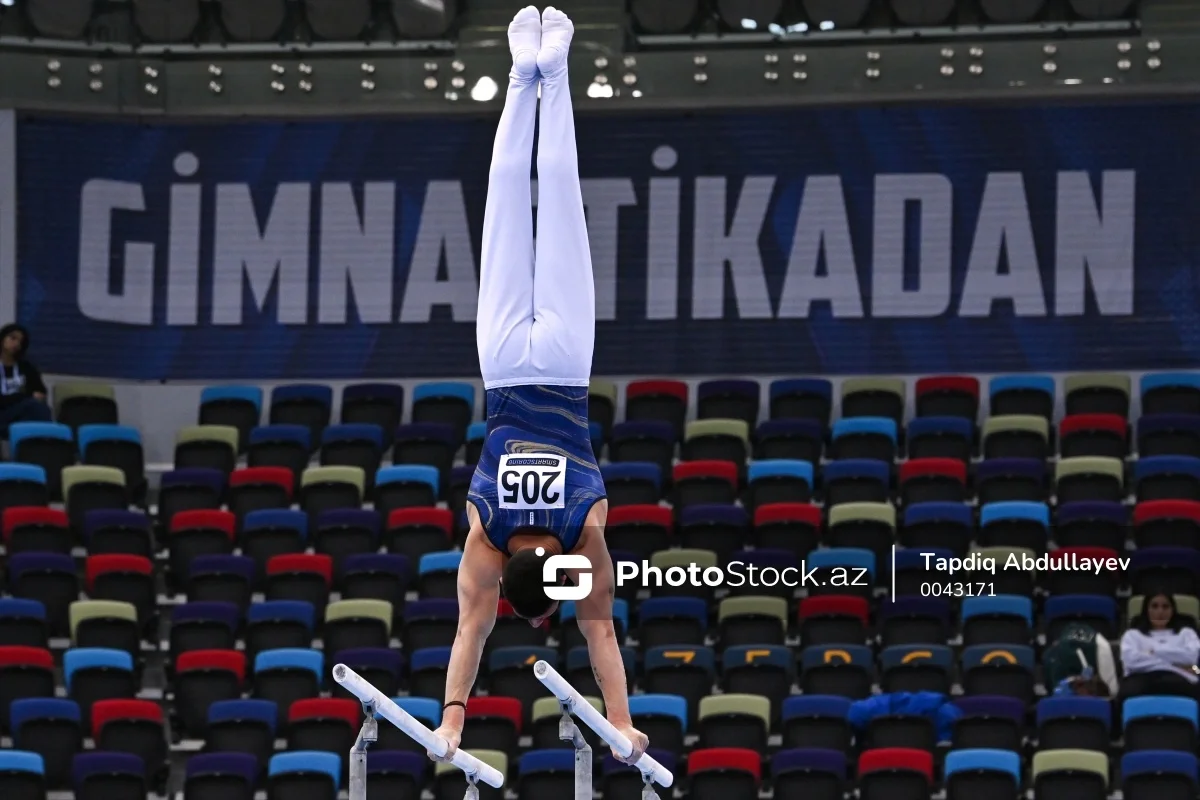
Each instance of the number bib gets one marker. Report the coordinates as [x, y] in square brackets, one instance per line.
[532, 482]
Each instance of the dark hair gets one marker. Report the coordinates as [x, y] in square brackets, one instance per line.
[523, 583]
[1142, 621]
[13, 327]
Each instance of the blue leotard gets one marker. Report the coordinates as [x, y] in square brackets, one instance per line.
[536, 419]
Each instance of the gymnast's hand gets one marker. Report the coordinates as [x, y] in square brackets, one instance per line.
[639, 740]
[452, 736]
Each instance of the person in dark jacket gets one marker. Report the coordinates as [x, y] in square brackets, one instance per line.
[22, 391]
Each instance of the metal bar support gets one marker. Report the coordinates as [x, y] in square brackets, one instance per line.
[568, 731]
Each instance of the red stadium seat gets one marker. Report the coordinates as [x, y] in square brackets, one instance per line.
[254, 488]
[658, 400]
[833, 619]
[203, 677]
[493, 723]
[198, 532]
[724, 773]
[947, 396]
[1093, 435]
[24, 672]
[927, 480]
[324, 724]
[300, 576]
[413, 532]
[639, 529]
[131, 726]
[36, 529]
[705, 481]
[1167, 523]
[794, 527]
[895, 773]
[126, 578]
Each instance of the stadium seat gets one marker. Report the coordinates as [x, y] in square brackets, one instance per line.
[1008, 581]
[767, 671]
[632, 484]
[569, 635]
[427, 443]
[117, 447]
[23, 485]
[307, 405]
[269, 532]
[304, 775]
[207, 447]
[841, 670]
[728, 399]
[449, 782]
[286, 675]
[51, 728]
[509, 675]
[1168, 435]
[914, 619]
[1015, 523]
[989, 723]
[458, 489]
[1159, 723]
[778, 574]
[1158, 775]
[722, 529]
[791, 527]
[98, 673]
[1022, 395]
[429, 623]
[1094, 435]
[602, 405]
[856, 481]
[286, 446]
[425, 709]
[646, 441]
[546, 774]
[1015, 436]
[238, 407]
[947, 396]
[1070, 580]
[1167, 523]
[916, 668]
[874, 397]
[790, 439]
[940, 437]
[1167, 478]
[895, 772]
[341, 533]
[1081, 774]
[50, 579]
[300, 576]
[1007, 671]
[658, 401]
[1079, 723]
[866, 526]
[493, 723]
[1089, 479]
[36, 529]
[445, 403]
[82, 403]
[203, 678]
[724, 773]
[203, 626]
[404, 487]
[931, 480]
[427, 672]
[25, 672]
[107, 623]
[22, 775]
[242, 726]
[833, 620]
[546, 715]
[108, 776]
[437, 574]
[132, 726]
[195, 533]
[1170, 393]
[113, 532]
[260, 488]
[381, 666]
[1002, 480]
[49, 445]
[1091, 525]
[672, 621]
[642, 529]
[841, 570]
[88, 488]
[1165, 569]
[982, 774]
[684, 670]
[704, 482]
[873, 438]
[817, 721]
[666, 715]
[1098, 393]
[774, 481]
[801, 398]
[323, 724]
[379, 404]
[378, 576]
[357, 623]
[622, 780]
[812, 773]
[227, 579]
[1187, 606]
[911, 573]
[752, 621]
[325, 488]
[189, 490]
[716, 440]
[353, 445]
[277, 624]
[220, 776]
[734, 720]
[1098, 612]
[937, 526]
[22, 622]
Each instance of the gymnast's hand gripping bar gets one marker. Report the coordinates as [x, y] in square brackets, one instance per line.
[573, 701]
[354, 683]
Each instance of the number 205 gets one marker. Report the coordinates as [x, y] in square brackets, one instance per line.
[530, 487]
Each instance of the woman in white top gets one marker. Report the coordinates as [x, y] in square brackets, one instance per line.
[1160, 651]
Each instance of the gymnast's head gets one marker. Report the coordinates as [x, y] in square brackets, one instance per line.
[522, 579]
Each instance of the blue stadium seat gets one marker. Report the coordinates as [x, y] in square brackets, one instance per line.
[1006, 670]
[546, 773]
[851, 561]
[232, 776]
[52, 728]
[243, 725]
[437, 574]
[914, 619]
[22, 622]
[430, 623]
[632, 483]
[450, 402]
[1168, 435]
[817, 721]
[1015, 523]
[286, 675]
[1175, 570]
[994, 722]
[221, 577]
[672, 621]
[940, 437]
[982, 774]
[427, 671]
[276, 624]
[779, 480]
[304, 773]
[210, 625]
[97, 673]
[843, 670]
[937, 525]
[916, 668]
[1158, 774]
[1095, 610]
[728, 399]
[870, 438]
[1001, 619]
[1091, 524]
[112, 530]
[1074, 723]
[23, 485]
[405, 485]
[814, 773]
[50, 445]
[723, 529]
[856, 480]
[396, 774]
[790, 439]
[91, 434]
[687, 671]
[1170, 393]
[999, 480]
[108, 776]
[801, 398]
[1167, 478]
[1022, 394]
[1160, 723]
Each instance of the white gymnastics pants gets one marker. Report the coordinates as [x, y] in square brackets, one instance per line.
[537, 307]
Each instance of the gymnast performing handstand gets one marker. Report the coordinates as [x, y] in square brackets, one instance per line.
[537, 490]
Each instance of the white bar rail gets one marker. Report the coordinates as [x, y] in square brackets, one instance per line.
[588, 715]
[358, 686]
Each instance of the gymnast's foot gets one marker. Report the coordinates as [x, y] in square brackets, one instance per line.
[557, 31]
[525, 41]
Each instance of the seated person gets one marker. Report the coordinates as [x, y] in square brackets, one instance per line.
[1160, 652]
[22, 392]
[1080, 662]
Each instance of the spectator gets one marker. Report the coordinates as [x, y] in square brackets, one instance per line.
[1080, 661]
[1160, 651]
[22, 392]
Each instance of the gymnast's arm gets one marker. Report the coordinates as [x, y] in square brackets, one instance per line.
[478, 597]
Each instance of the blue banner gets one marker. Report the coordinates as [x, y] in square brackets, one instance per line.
[835, 241]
